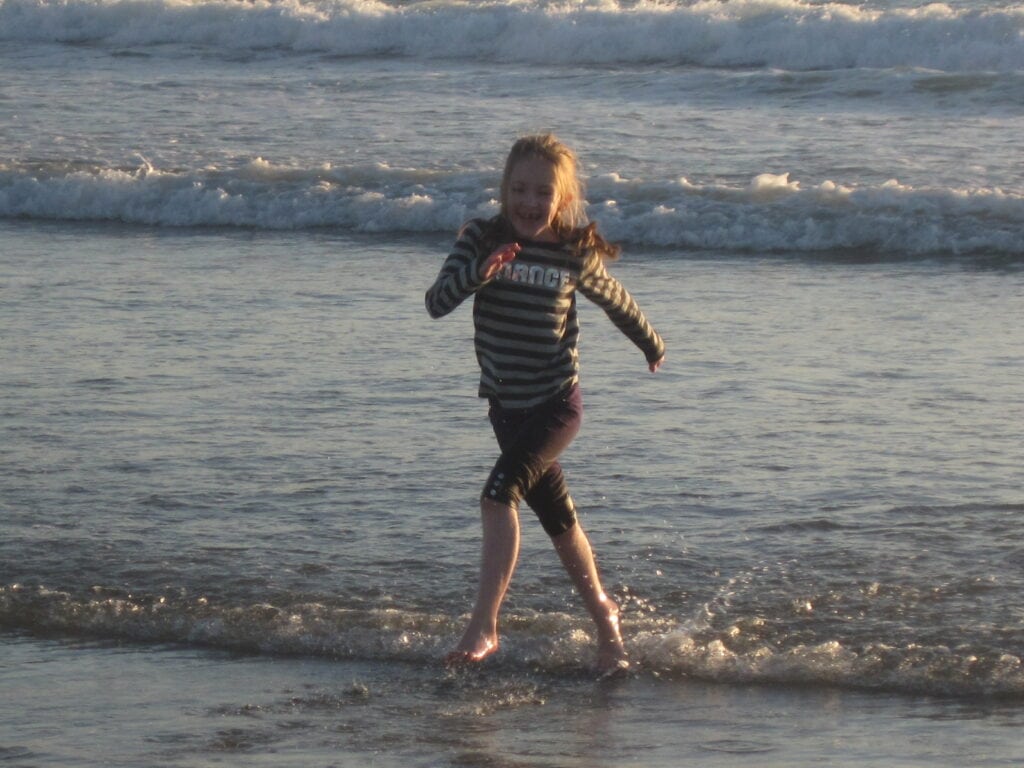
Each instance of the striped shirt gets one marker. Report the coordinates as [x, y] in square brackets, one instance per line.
[526, 328]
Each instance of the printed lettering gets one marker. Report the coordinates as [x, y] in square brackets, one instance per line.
[549, 277]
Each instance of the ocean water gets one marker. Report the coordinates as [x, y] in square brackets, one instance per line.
[239, 465]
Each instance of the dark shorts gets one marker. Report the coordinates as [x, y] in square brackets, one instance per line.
[531, 440]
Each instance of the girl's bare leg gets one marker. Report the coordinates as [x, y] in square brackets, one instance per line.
[499, 552]
[574, 549]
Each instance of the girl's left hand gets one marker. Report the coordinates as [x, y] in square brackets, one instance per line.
[656, 364]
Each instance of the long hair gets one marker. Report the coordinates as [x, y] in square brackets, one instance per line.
[570, 224]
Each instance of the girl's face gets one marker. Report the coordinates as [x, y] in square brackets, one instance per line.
[532, 200]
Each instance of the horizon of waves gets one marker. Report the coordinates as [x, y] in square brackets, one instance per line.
[773, 34]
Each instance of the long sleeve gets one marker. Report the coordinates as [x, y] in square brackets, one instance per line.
[609, 294]
[459, 277]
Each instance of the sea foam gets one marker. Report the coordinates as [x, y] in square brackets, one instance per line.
[773, 213]
[785, 34]
[553, 642]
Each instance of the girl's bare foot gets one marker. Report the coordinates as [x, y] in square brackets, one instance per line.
[472, 650]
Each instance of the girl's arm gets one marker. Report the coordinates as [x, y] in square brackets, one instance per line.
[609, 294]
[465, 271]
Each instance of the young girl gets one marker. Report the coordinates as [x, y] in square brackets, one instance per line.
[524, 267]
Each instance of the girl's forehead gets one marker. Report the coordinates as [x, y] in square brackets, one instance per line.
[534, 169]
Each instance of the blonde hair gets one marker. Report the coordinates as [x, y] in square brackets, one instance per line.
[570, 223]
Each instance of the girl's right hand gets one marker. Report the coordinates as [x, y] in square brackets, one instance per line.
[501, 256]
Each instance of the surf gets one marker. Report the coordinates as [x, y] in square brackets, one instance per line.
[773, 34]
[771, 213]
[555, 644]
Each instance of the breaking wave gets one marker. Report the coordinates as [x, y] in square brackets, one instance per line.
[770, 214]
[786, 34]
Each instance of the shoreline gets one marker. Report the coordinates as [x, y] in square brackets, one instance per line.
[89, 704]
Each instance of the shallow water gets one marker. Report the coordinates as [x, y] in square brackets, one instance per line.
[259, 442]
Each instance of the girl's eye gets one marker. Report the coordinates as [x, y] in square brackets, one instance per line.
[522, 189]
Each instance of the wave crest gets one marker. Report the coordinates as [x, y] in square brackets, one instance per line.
[771, 214]
[787, 34]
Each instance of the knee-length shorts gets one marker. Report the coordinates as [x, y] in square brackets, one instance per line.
[531, 440]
